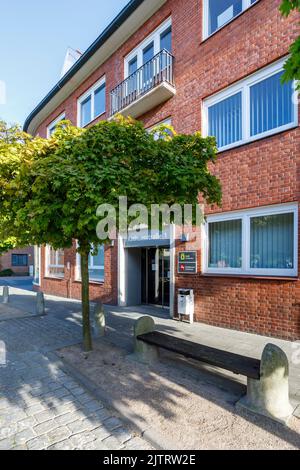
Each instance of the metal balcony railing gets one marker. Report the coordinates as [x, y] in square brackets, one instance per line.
[154, 72]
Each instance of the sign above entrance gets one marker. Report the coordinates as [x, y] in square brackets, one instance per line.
[187, 262]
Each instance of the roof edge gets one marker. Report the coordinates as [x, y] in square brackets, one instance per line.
[124, 14]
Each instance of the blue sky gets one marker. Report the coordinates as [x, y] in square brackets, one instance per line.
[34, 37]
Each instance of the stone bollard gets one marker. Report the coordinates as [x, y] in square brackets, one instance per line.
[145, 353]
[99, 320]
[40, 304]
[269, 396]
[5, 294]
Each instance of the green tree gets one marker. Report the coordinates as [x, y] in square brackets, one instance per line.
[55, 195]
[12, 142]
[292, 65]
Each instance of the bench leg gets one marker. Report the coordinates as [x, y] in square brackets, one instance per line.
[145, 353]
[269, 396]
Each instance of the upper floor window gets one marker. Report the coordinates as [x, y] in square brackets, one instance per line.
[92, 104]
[160, 39]
[51, 128]
[217, 13]
[255, 107]
[55, 262]
[260, 241]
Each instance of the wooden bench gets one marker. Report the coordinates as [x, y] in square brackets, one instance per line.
[235, 363]
[267, 379]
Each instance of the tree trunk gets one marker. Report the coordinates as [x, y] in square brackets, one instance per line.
[85, 296]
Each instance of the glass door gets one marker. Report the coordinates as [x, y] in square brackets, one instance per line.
[148, 54]
[156, 276]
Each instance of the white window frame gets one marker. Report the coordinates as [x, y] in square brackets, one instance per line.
[92, 266]
[37, 250]
[138, 51]
[245, 216]
[54, 123]
[244, 86]
[56, 265]
[246, 4]
[91, 92]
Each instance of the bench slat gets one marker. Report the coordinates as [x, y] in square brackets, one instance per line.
[242, 365]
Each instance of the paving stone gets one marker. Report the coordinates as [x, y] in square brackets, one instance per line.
[112, 443]
[62, 445]
[101, 433]
[66, 418]
[98, 444]
[80, 439]
[112, 423]
[93, 405]
[44, 416]
[24, 436]
[34, 409]
[58, 434]
[38, 443]
[45, 427]
[80, 426]
[122, 434]
[8, 443]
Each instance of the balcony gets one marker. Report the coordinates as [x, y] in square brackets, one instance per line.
[149, 86]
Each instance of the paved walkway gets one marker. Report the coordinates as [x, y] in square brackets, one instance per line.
[42, 406]
[121, 320]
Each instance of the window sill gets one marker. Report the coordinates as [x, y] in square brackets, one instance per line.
[94, 121]
[257, 139]
[253, 276]
[98, 283]
[228, 23]
[58, 278]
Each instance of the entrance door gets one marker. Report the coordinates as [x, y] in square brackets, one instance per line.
[156, 276]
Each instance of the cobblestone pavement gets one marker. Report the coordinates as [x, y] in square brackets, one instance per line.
[43, 407]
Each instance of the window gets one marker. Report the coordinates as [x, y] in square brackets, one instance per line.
[92, 104]
[96, 265]
[258, 241]
[255, 107]
[225, 120]
[217, 13]
[160, 39]
[37, 265]
[51, 128]
[166, 40]
[19, 260]
[166, 122]
[55, 262]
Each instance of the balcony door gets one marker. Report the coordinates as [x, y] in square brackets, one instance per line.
[148, 70]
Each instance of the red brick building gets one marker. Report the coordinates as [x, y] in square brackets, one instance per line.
[213, 65]
[20, 261]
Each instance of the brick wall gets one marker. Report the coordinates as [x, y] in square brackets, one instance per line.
[257, 174]
[6, 260]
[70, 287]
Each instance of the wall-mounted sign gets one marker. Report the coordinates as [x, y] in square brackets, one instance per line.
[187, 262]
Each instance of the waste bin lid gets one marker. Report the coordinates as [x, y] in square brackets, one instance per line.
[184, 291]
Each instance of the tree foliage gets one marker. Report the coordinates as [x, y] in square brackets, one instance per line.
[59, 183]
[292, 65]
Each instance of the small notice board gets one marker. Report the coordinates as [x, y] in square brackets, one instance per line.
[187, 262]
